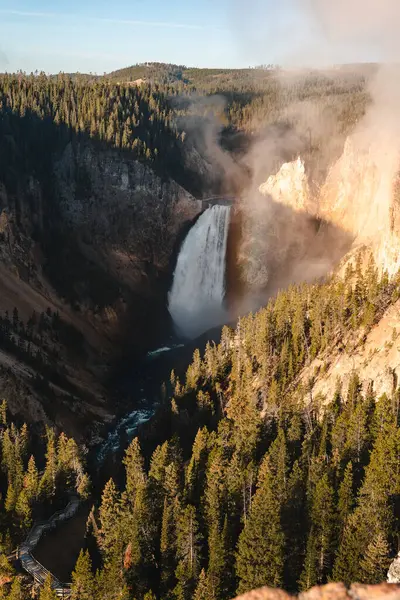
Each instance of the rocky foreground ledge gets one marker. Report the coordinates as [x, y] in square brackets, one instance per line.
[331, 591]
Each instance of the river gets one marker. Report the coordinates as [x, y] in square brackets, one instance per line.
[142, 389]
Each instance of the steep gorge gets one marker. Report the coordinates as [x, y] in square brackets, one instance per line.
[90, 239]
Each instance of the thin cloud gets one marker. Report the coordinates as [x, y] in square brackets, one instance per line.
[129, 22]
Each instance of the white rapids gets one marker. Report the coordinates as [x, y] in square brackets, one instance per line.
[196, 299]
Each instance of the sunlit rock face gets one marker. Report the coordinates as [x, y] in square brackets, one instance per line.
[289, 186]
[394, 571]
[361, 196]
[330, 591]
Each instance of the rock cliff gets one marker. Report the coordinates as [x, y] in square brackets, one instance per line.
[331, 591]
[359, 196]
[394, 571]
[89, 239]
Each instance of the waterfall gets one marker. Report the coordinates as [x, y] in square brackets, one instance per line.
[196, 299]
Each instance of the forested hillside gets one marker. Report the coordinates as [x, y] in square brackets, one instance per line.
[255, 481]
[37, 478]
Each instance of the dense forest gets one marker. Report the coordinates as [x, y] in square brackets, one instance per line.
[150, 119]
[256, 481]
[252, 480]
[32, 489]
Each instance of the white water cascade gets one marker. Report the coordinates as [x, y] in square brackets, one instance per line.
[196, 299]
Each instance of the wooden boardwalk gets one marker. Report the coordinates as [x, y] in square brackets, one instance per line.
[29, 562]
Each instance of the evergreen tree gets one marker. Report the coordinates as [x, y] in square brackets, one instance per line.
[278, 464]
[188, 553]
[320, 539]
[47, 592]
[345, 500]
[376, 561]
[109, 582]
[218, 573]
[347, 562]
[23, 510]
[109, 517]
[17, 591]
[134, 465]
[260, 556]
[204, 589]
[195, 472]
[168, 544]
[47, 486]
[293, 520]
[82, 587]
[31, 481]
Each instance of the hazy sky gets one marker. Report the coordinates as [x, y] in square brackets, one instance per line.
[99, 35]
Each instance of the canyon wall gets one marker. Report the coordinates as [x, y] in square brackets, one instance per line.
[359, 196]
[91, 239]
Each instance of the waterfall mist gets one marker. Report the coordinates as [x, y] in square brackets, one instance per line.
[196, 299]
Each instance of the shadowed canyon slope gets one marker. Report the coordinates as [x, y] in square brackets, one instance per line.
[87, 236]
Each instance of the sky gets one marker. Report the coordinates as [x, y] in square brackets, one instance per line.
[101, 35]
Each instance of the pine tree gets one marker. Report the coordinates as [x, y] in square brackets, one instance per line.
[23, 510]
[218, 567]
[83, 486]
[17, 592]
[24, 440]
[195, 472]
[244, 413]
[260, 556]
[168, 544]
[31, 481]
[188, 553]
[345, 500]
[293, 519]
[3, 413]
[109, 582]
[134, 465]
[204, 589]
[278, 464]
[47, 486]
[109, 517]
[214, 496]
[11, 498]
[376, 561]
[82, 587]
[319, 551]
[347, 562]
[357, 433]
[47, 592]
[159, 461]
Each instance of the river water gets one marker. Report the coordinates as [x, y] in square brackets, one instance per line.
[196, 303]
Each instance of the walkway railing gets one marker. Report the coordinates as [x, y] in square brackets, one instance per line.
[29, 562]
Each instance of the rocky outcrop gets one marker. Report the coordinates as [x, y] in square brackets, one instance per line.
[331, 591]
[122, 204]
[394, 571]
[375, 358]
[289, 186]
[360, 196]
